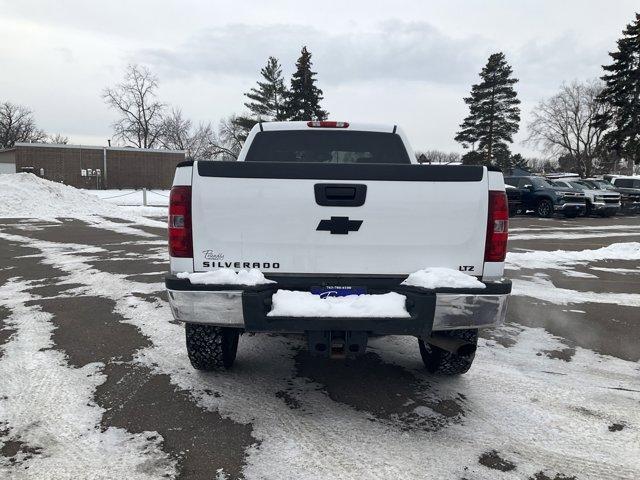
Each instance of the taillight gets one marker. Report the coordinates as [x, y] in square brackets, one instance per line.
[327, 124]
[180, 240]
[497, 227]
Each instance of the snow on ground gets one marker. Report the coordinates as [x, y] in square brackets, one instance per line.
[48, 405]
[544, 289]
[560, 259]
[226, 276]
[24, 195]
[617, 270]
[540, 413]
[287, 303]
[438, 277]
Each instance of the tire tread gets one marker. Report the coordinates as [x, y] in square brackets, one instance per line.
[211, 348]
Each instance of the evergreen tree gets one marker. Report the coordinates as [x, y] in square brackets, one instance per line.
[303, 98]
[472, 157]
[622, 94]
[518, 161]
[502, 156]
[494, 114]
[268, 98]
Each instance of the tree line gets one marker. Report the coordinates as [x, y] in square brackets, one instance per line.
[589, 127]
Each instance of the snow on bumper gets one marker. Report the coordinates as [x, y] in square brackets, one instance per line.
[249, 307]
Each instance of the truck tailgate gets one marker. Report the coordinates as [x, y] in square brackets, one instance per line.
[303, 218]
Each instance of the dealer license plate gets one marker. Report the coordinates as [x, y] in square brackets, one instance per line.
[337, 291]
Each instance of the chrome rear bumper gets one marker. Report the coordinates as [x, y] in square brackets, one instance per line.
[226, 308]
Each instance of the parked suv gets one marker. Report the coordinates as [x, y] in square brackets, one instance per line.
[599, 201]
[629, 188]
[544, 198]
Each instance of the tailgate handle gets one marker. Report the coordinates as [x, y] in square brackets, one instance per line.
[340, 194]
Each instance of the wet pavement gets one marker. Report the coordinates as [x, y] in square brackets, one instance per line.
[92, 300]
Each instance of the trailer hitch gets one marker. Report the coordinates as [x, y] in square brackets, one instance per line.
[337, 344]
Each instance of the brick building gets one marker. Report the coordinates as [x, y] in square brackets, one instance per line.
[93, 167]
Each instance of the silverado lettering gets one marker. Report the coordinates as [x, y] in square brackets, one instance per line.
[236, 265]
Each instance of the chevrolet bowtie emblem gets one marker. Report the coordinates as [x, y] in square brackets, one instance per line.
[339, 225]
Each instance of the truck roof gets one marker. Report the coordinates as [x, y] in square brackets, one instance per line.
[304, 125]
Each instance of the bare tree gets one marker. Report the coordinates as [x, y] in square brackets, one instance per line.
[178, 133]
[232, 134]
[136, 102]
[202, 142]
[58, 139]
[437, 156]
[562, 126]
[18, 125]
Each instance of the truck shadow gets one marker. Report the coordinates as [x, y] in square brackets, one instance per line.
[387, 392]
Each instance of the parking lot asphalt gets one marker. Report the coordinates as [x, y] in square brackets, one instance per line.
[96, 382]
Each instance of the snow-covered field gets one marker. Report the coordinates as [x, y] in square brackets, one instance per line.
[552, 394]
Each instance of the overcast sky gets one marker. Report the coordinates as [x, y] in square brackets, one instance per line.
[404, 62]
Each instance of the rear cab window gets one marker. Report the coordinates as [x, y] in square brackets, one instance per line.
[322, 146]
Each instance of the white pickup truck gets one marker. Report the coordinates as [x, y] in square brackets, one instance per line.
[332, 209]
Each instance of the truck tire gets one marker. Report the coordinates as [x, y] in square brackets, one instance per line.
[544, 208]
[211, 348]
[442, 362]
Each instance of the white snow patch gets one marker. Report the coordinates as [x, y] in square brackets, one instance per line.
[287, 303]
[545, 290]
[622, 271]
[439, 277]
[576, 274]
[558, 259]
[48, 405]
[227, 276]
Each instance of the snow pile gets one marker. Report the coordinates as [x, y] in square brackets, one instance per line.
[558, 259]
[439, 277]
[26, 195]
[227, 276]
[287, 303]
